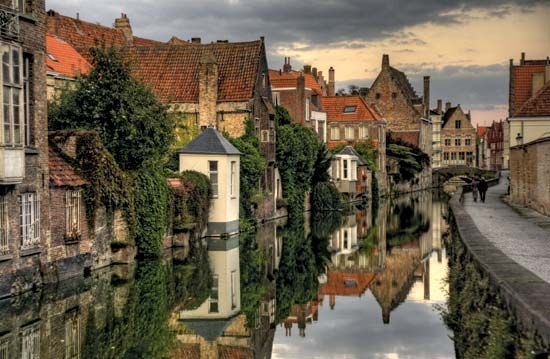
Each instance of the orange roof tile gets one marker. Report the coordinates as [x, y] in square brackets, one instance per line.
[64, 59]
[172, 71]
[481, 131]
[61, 172]
[281, 79]
[522, 83]
[538, 105]
[334, 107]
[341, 283]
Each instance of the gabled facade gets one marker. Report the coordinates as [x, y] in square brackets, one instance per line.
[458, 137]
[495, 144]
[482, 148]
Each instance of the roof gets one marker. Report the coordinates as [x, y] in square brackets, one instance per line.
[538, 105]
[522, 82]
[334, 107]
[448, 114]
[350, 151]
[282, 79]
[172, 71]
[210, 141]
[481, 131]
[83, 35]
[64, 59]
[61, 172]
[209, 329]
[403, 83]
[347, 283]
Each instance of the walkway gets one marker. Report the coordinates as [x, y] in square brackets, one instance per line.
[523, 235]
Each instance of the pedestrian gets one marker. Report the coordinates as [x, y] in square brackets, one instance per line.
[483, 188]
[474, 185]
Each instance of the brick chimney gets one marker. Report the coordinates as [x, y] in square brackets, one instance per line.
[331, 91]
[426, 99]
[287, 67]
[307, 69]
[522, 61]
[439, 105]
[52, 22]
[385, 61]
[123, 24]
[208, 88]
[314, 72]
[547, 70]
[447, 106]
[195, 40]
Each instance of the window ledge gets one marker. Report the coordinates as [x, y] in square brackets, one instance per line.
[31, 151]
[6, 257]
[28, 18]
[30, 252]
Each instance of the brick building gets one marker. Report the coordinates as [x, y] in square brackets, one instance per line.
[495, 144]
[482, 148]
[300, 92]
[458, 137]
[407, 113]
[436, 119]
[24, 210]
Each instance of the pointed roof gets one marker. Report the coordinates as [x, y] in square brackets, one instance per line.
[350, 151]
[210, 141]
[289, 79]
[521, 79]
[61, 172]
[64, 59]
[538, 105]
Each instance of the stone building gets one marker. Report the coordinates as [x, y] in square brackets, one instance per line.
[64, 65]
[495, 144]
[458, 137]
[529, 113]
[300, 92]
[24, 197]
[436, 119]
[406, 113]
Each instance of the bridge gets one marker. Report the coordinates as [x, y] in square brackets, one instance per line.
[444, 174]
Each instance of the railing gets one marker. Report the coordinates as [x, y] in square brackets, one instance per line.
[9, 23]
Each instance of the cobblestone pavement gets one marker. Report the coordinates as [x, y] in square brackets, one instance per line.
[522, 234]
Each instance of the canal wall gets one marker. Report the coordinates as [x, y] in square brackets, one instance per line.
[526, 296]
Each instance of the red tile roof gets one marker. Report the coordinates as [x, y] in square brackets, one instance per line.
[64, 59]
[61, 172]
[172, 71]
[334, 106]
[83, 35]
[538, 105]
[522, 83]
[481, 131]
[281, 79]
[339, 283]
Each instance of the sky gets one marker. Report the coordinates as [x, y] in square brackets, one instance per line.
[465, 46]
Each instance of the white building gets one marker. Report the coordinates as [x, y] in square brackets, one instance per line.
[211, 154]
[343, 170]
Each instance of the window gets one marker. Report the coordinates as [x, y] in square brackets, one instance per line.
[5, 347]
[363, 132]
[214, 295]
[458, 124]
[334, 133]
[30, 342]
[350, 109]
[72, 336]
[265, 135]
[233, 177]
[468, 141]
[29, 220]
[447, 142]
[213, 175]
[453, 156]
[394, 94]
[462, 156]
[4, 244]
[18, 5]
[276, 98]
[378, 96]
[445, 156]
[345, 167]
[27, 72]
[72, 213]
[349, 133]
[12, 95]
[307, 110]
[234, 280]
[469, 157]
[458, 141]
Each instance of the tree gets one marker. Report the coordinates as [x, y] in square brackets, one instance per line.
[134, 126]
[282, 117]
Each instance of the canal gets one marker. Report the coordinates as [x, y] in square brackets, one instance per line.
[368, 283]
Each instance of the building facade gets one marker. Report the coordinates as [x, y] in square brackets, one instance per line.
[458, 137]
[436, 119]
[482, 148]
[495, 144]
[24, 197]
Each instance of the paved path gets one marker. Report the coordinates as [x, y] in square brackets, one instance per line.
[523, 235]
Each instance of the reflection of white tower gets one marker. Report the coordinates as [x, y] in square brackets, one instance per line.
[344, 240]
[225, 296]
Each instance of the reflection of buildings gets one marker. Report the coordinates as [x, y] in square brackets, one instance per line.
[346, 284]
[344, 241]
[302, 315]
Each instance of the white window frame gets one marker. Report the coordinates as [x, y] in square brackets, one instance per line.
[307, 115]
[276, 98]
[5, 347]
[4, 231]
[345, 169]
[335, 133]
[73, 200]
[30, 342]
[363, 132]
[214, 301]
[27, 99]
[213, 174]
[264, 134]
[468, 141]
[349, 133]
[9, 88]
[233, 169]
[29, 220]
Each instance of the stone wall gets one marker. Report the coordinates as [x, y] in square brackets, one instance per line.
[529, 175]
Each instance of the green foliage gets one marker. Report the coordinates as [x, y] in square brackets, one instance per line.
[152, 210]
[367, 150]
[322, 165]
[134, 126]
[410, 159]
[282, 117]
[325, 197]
[191, 202]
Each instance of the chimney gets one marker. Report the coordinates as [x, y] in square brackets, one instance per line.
[195, 40]
[439, 105]
[427, 97]
[208, 88]
[307, 69]
[287, 67]
[331, 91]
[314, 72]
[123, 24]
[222, 41]
[522, 61]
[447, 106]
[547, 70]
[52, 22]
[385, 61]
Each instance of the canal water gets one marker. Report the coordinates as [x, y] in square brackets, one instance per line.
[368, 283]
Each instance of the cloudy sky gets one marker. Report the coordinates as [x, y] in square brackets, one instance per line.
[463, 45]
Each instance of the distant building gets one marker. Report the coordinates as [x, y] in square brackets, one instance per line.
[436, 118]
[211, 154]
[495, 142]
[458, 137]
[482, 149]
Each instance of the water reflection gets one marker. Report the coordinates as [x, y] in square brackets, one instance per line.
[361, 284]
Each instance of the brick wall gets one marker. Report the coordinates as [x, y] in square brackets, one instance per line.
[529, 174]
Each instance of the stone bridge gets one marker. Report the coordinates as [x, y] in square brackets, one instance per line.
[442, 175]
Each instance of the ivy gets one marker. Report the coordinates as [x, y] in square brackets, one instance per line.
[410, 159]
[191, 202]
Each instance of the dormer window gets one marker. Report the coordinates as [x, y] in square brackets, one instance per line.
[52, 57]
[350, 109]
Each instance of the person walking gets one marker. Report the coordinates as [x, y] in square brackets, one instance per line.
[483, 186]
[474, 185]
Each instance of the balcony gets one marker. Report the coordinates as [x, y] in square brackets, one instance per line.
[9, 23]
[12, 165]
